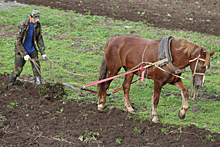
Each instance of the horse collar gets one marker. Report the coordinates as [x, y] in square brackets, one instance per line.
[164, 52]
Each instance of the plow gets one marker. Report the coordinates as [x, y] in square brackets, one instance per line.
[79, 89]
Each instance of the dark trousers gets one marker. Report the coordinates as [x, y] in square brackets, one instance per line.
[20, 62]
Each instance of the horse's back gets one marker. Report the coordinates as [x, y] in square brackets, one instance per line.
[131, 47]
[126, 42]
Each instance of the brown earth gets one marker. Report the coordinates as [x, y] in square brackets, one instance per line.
[198, 16]
[40, 117]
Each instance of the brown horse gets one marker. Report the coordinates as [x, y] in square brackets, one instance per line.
[130, 51]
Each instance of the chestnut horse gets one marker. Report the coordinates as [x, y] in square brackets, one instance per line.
[130, 50]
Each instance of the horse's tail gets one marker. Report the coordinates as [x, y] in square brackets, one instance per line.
[103, 69]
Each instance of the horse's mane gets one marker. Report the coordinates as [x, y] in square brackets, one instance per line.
[190, 48]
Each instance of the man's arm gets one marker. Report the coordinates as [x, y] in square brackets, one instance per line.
[19, 39]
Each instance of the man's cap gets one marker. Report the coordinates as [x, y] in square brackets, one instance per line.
[35, 13]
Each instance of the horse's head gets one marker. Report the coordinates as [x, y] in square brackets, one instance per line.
[199, 66]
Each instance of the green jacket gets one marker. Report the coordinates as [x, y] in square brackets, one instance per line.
[23, 27]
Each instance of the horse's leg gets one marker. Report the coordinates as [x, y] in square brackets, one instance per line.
[102, 100]
[184, 93]
[155, 100]
[126, 88]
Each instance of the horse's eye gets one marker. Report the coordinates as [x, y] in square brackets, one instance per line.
[209, 65]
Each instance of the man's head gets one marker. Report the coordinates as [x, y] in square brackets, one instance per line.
[35, 16]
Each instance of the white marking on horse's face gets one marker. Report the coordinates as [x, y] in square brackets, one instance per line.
[203, 79]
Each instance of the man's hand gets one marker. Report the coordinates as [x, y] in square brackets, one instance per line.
[27, 57]
[44, 56]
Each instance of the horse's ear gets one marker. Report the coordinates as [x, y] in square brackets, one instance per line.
[207, 59]
[212, 53]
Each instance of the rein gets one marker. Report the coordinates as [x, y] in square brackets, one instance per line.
[37, 67]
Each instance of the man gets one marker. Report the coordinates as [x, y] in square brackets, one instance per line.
[29, 31]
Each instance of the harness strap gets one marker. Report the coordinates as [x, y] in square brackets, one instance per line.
[169, 72]
[175, 69]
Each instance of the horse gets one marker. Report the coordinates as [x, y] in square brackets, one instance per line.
[131, 51]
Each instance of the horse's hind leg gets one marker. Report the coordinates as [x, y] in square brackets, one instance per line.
[184, 92]
[102, 100]
[126, 88]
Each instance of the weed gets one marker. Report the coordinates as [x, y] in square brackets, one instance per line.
[168, 14]
[121, 125]
[210, 137]
[137, 130]
[4, 84]
[165, 131]
[43, 89]
[61, 134]
[2, 117]
[118, 140]
[60, 111]
[88, 136]
[177, 138]
[15, 104]
[53, 117]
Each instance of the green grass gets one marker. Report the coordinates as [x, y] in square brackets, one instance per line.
[75, 41]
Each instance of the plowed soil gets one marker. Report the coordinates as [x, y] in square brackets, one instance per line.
[41, 117]
[198, 16]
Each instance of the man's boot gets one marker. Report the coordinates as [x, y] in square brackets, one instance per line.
[37, 81]
[11, 80]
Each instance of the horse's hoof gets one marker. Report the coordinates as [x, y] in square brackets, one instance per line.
[131, 110]
[180, 115]
[155, 120]
[100, 107]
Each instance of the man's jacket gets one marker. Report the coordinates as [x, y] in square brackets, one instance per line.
[20, 37]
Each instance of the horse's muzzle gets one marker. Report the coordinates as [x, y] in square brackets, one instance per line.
[197, 82]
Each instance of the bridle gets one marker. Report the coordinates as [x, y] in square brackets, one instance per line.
[197, 60]
[195, 90]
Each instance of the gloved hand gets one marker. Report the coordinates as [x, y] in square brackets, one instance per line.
[44, 56]
[27, 57]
